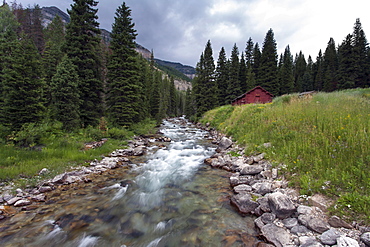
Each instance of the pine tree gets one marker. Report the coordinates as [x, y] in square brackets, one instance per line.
[268, 67]
[318, 72]
[124, 87]
[222, 77]
[330, 67]
[299, 70]
[8, 43]
[233, 84]
[53, 54]
[65, 99]
[286, 78]
[204, 84]
[307, 79]
[23, 100]
[256, 62]
[361, 65]
[243, 74]
[250, 60]
[346, 69]
[82, 47]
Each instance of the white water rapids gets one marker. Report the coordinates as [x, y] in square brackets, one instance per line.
[171, 199]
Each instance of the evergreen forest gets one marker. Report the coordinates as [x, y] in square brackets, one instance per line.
[66, 74]
[339, 67]
[69, 75]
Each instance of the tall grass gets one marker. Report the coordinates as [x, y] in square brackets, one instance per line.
[323, 140]
[59, 152]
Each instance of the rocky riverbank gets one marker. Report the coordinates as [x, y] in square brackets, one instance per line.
[285, 218]
[28, 199]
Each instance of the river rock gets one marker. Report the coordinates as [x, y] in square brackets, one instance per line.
[264, 204]
[313, 223]
[281, 205]
[366, 238]
[336, 222]
[59, 179]
[268, 218]
[236, 180]
[44, 189]
[319, 201]
[43, 171]
[224, 144]
[244, 203]
[330, 237]
[276, 235]
[39, 198]
[13, 200]
[302, 209]
[343, 241]
[242, 189]
[22, 203]
[251, 170]
[299, 230]
[307, 241]
[290, 222]
[259, 157]
[262, 188]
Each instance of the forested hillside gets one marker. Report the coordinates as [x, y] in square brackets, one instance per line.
[69, 73]
[336, 68]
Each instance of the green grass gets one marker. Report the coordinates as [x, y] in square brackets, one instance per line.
[323, 141]
[59, 152]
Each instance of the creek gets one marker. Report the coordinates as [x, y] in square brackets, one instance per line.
[168, 197]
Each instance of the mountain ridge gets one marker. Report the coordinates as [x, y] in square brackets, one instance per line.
[49, 13]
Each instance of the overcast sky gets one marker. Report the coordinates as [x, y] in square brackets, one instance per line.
[177, 30]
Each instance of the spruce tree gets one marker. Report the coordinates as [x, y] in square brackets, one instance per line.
[65, 99]
[256, 62]
[346, 69]
[330, 67]
[82, 47]
[204, 85]
[268, 68]
[53, 54]
[243, 74]
[23, 101]
[250, 61]
[222, 77]
[361, 65]
[299, 70]
[8, 43]
[286, 78]
[307, 79]
[233, 84]
[124, 86]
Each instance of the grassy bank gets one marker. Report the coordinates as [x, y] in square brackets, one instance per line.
[323, 140]
[49, 147]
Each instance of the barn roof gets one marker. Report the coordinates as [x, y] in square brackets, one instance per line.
[258, 87]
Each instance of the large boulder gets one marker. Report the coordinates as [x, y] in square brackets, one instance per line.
[224, 144]
[251, 170]
[244, 203]
[313, 223]
[276, 235]
[366, 238]
[330, 237]
[281, 205]
[343, 241]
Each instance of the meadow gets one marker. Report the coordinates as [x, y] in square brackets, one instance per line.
[37, 146]
[322, 140]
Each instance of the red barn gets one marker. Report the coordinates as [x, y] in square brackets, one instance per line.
[257, 95]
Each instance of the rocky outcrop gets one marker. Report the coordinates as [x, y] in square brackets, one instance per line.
[283, 217]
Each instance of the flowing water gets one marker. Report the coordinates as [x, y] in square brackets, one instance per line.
[167, 198]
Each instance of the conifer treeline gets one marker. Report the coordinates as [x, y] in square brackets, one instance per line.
[342, 67]
[69, 74]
